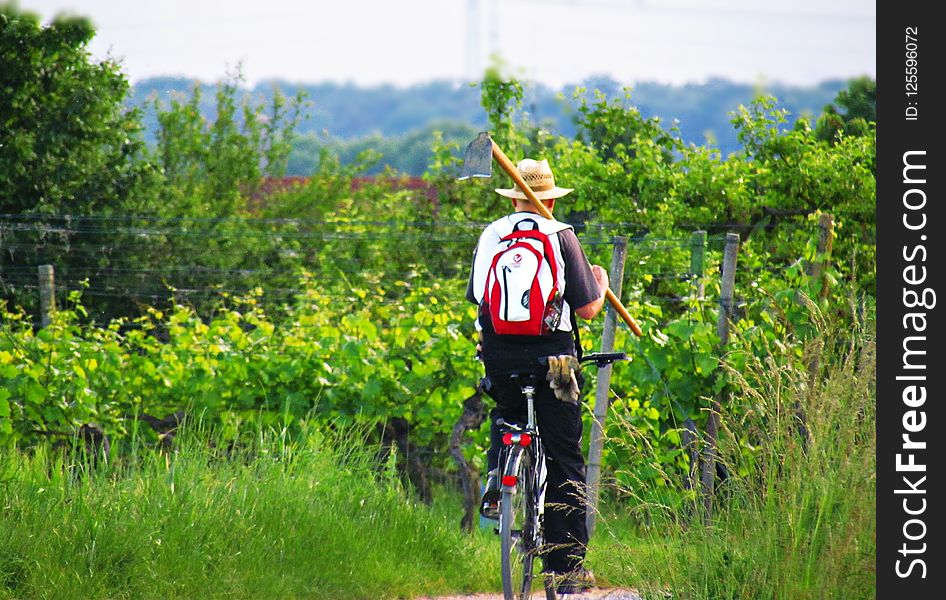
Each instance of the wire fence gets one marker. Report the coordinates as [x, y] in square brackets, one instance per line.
[139, 259]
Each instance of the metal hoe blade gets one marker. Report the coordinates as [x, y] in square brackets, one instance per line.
[478, 158]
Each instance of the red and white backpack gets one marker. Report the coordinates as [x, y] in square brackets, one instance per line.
[524, 283]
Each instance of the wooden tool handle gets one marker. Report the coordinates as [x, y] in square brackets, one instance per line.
[510, 169]
[513, 172]
[625, 316]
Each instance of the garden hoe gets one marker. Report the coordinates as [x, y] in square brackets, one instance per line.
[478, 162]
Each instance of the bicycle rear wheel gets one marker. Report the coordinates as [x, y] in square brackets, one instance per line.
[517, 530]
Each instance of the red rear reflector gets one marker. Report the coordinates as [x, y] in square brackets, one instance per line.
[510, 480]
[507, 439]
[525, 439]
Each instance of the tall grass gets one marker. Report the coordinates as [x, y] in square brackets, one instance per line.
[308, 519]
[316, 517]
[796, 520]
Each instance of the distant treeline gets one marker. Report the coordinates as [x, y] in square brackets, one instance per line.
[399, 122]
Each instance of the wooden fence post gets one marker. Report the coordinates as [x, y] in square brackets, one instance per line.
[603, 386]
[690, 433]
[47, 294]
[710, 454]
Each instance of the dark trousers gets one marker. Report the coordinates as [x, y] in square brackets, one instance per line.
[560, 427]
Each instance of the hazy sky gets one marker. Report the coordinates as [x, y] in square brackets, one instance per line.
[552, 41]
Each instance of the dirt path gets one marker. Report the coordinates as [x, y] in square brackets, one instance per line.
[597, 594]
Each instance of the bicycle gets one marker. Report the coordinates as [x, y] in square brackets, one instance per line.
[522, 499]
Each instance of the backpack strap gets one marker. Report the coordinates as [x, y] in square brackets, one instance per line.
[575, 330]
[535, 225]
[512, 222]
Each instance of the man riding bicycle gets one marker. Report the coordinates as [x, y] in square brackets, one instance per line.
[580, 288]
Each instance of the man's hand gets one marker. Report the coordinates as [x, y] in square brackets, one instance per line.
[601, 276]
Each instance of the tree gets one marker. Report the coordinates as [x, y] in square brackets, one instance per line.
[68, 144]
[853, 110]
[211, 166]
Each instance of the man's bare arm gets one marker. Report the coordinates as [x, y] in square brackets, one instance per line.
[591, 309]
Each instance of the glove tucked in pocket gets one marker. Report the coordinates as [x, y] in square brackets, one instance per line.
[563, 377]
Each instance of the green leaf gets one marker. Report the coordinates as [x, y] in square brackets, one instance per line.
[706, 364]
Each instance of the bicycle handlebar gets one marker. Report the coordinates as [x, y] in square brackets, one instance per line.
[603, 359]
[600, 359]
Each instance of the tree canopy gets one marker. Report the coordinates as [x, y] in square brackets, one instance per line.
[69, 142]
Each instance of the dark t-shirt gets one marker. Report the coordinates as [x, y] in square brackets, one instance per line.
[519, 353]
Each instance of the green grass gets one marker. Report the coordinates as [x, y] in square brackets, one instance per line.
[797, 522]
[279, 521]
[314, 519]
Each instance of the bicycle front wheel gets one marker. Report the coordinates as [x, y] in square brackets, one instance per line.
[517, 528]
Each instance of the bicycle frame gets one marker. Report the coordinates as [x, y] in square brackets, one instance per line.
[522, 444]
[525, 441]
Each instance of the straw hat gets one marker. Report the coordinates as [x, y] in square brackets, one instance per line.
[538, 176]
